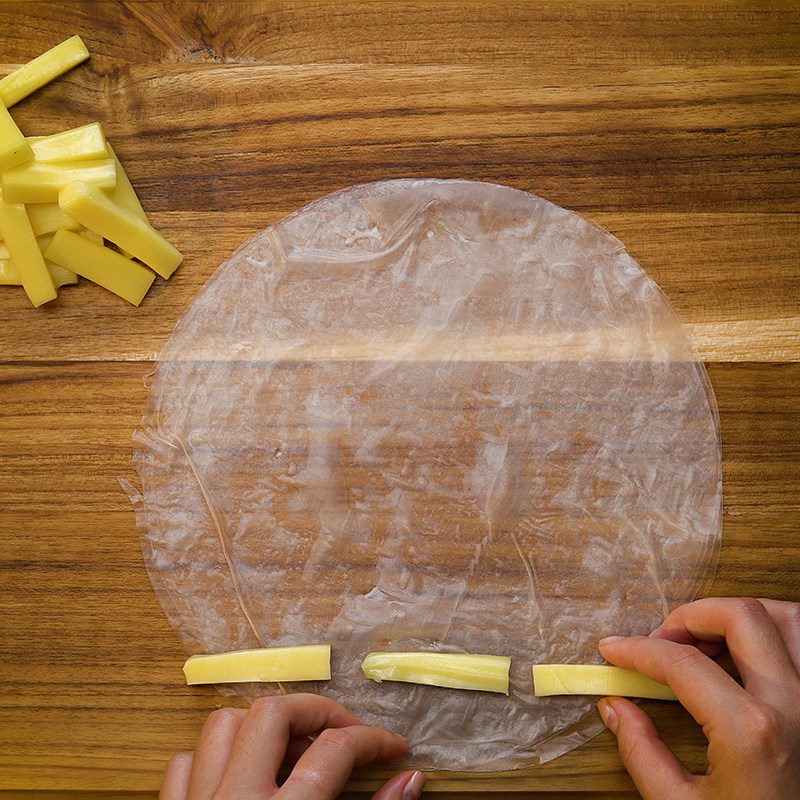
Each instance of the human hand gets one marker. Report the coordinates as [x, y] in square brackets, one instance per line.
[753, 730]
[240, 752]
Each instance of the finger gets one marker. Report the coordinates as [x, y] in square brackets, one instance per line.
[263, 739]
[710, 649]
[707, 692]
[786, 617]
[716, 650]
[753, 639]
[651, 764]
[175, 785]
[213, 751]
[405, 786]
[323, 770]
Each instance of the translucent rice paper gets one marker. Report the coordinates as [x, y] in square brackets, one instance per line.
[431, 415]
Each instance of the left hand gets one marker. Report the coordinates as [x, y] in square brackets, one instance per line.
[241, 751]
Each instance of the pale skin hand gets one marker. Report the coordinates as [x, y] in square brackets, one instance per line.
[240, 752]
[753, 730]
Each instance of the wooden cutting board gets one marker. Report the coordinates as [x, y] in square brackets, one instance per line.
[673, 125]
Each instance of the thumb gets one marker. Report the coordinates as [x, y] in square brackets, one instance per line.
[405, 786]
[652, 765]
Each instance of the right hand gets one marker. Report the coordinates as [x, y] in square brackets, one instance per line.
[753, 730]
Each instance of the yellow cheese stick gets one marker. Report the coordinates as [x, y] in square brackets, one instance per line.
[10, 277]
[98, 212]
[57, 271]
[101, 265]
[48, 218]
[451, 670]
[42, 69]
[276, 664]
[86, 143]
[124, 194]
[42, 241]
[25, 253]
[599, 679]
[41, 183]
[61, 277]
[91, 236]
[14, 149]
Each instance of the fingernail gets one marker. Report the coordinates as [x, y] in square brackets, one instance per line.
[610, 640]
[609, 715]
[413, 789]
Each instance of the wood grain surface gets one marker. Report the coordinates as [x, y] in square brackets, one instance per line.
[675, 125]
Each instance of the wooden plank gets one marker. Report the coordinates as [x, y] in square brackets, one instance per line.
[92, 409]
[124, 746]
[90, 686]
[545, 34]
[733, 278]
[249, 136]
